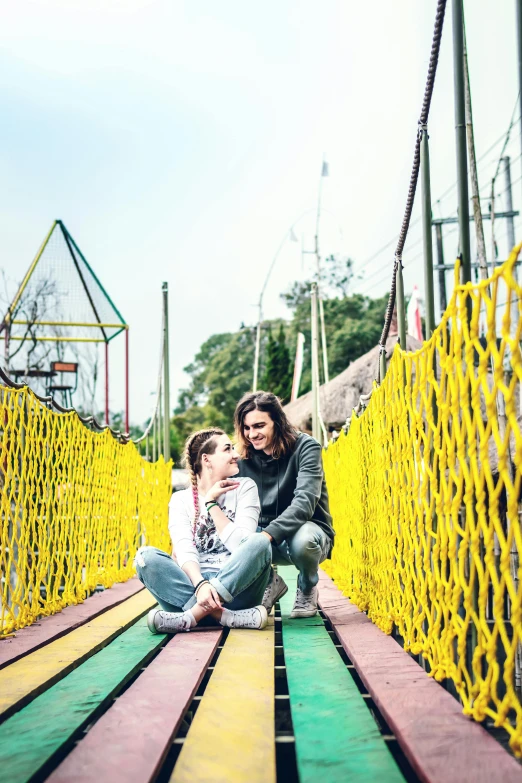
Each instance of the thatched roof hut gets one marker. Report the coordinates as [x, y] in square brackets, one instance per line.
[341, 395]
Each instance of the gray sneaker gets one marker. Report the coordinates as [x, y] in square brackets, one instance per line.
[305, 604]
[255, 618]
[159, 621]
[275, 590]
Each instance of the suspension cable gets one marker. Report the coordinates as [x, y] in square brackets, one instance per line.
[422, 126]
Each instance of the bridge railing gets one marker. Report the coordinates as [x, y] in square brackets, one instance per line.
[75, 504]
[425, 492]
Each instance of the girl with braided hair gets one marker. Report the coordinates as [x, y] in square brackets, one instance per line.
[221, 565]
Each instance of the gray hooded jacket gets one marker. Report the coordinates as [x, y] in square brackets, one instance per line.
[292, 489]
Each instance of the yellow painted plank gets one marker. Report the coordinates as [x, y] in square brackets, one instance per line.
[232, 737]
[29, 676]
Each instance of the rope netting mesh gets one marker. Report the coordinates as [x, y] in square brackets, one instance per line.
[75, 506]
[425, 490]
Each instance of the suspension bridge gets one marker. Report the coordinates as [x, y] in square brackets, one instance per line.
[411, 671]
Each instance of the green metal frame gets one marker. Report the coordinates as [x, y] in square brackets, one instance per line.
[71, 244]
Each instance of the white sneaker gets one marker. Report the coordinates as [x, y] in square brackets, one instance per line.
[305, 604]
[159, 621]
[275, 590]
[255, 618]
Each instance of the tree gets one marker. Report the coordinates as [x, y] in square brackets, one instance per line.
[297, 295]
[353, 327]
[353, 324]
[335, 280]
[270, 374]
[220, 374]
[222, 370]
[37, 303]
[117, 422]
[336, 275]
[278, 372]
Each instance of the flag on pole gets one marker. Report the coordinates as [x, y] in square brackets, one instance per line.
[325, 172]
[414, 316]
[298, 366]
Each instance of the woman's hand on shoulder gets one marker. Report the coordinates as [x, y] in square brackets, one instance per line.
[219, 488]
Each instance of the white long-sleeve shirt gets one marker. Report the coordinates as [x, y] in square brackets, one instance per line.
[203, 543]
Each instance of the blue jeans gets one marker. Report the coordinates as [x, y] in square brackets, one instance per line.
[306, 549]
[241, 582]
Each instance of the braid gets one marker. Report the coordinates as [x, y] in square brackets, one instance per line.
[197, 444]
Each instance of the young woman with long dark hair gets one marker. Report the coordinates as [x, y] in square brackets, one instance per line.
[222, 564]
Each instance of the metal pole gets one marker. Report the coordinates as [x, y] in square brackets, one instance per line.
[6, 347]
[127, 379]
[154, 428]
[477, 211]
[318, 258]
[382, 366]
[519, 42]
[161, 431]
[509, 204]
[493, 240]
[401, 308]
[427, 237]
[442, 272]
[323, 341]
[315, 365]
[460, 136]
[106, 382]
[258, 346]
[166, 369]
[293, 238]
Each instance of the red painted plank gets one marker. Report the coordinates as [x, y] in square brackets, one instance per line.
[46, 630]
[130, 742]
[441, 744]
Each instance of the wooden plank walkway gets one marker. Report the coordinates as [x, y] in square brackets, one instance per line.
[441, 744]
[32, 674]
[232, 737]
[31, 738]
[336, 736]
[66, 683]
[47, 629]
[130, 742]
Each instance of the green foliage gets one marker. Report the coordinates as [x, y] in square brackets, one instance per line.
[220, 374]
[336, 276]
[270, 374]
[222, 370]
[117, 422]
[176, 444]
[353, 325]
[278, 373]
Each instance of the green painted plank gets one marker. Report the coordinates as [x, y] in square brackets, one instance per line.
[31, 739]
[336, 736]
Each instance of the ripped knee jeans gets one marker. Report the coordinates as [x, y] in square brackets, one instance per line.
[306, 549]
[240, 582]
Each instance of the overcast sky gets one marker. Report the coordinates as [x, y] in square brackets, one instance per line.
[178, 141]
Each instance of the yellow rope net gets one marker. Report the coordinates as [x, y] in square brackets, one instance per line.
[75, 505]
[425, 492]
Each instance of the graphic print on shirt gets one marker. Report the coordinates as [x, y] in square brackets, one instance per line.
[207, 540]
